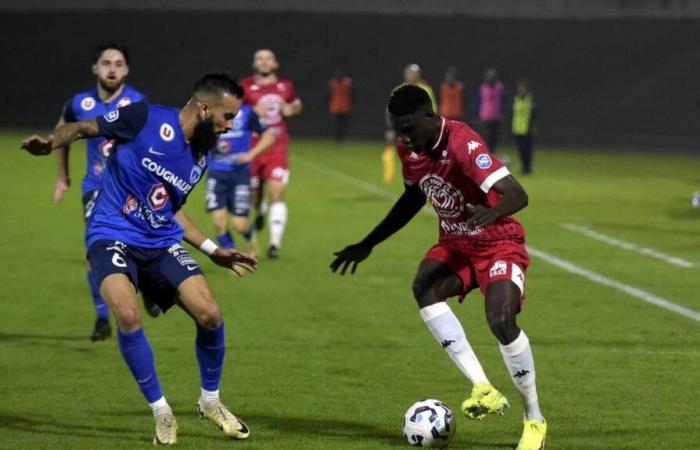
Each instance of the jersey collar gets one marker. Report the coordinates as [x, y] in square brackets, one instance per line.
[441, 138]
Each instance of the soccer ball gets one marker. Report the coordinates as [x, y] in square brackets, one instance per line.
[429, 423]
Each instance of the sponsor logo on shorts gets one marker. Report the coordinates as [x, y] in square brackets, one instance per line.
[87, 103]
[183, 257]
[498, 268]
[483, 161]
[111, 116]
[447, 200]
[167, 133]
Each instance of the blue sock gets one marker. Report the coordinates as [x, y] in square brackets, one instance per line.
[210, 348]
[226, 240]
[101, 308]
[138, 355]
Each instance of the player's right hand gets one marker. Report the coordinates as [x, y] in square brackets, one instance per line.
[37, 145]
[238, 262]
[61, 186]
[350, 255]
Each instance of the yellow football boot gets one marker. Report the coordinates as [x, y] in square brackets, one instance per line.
[166, 429]
[485, 399]
[534, 434]
[231, 425]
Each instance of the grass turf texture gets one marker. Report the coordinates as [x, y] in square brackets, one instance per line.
[316, 361]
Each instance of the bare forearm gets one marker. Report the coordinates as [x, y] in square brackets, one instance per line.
[62, 159]
[68, 133]
[405, 208]
[266, 140]
[193, 235]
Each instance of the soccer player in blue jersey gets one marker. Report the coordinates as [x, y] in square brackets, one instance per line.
[111, 67]
[135, 231]
[228, 180]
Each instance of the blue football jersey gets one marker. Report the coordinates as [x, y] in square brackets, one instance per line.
[147, 179]
[235, 142]
[86, 106]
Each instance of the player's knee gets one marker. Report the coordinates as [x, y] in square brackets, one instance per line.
[423, 293]
[502, 324]
[209, 316]
[128, 318]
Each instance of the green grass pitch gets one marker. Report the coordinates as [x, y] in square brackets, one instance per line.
[318, 361]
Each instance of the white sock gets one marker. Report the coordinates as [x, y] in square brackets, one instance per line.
[209, 397]
[446, 328]
[518, 358]
[160, 406]
[278, 219]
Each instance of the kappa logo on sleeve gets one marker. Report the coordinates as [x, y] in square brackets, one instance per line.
[473, 145]
[111, 116]
[483, 161]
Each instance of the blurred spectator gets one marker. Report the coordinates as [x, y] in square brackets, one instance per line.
[340, 103]
[452, 95]
[412, 74]
[524, 124]
[489, 104]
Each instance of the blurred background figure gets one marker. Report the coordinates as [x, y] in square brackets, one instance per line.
[340, 104]
[413, 75]
[489, 105]
[452, 95]
[524, 125]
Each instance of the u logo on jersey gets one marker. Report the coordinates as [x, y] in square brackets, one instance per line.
[87, 103]
[167, 133]
[106, 148]
[158, 196]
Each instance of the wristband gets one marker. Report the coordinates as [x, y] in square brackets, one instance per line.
[208, 247]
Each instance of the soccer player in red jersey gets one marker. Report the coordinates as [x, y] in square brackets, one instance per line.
[274, 99]
[480, 245]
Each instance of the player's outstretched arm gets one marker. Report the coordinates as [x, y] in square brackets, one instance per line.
[63, 181]
[267, 138]
[405, 208]
[62, 136]
[237, 262]
[513, 199]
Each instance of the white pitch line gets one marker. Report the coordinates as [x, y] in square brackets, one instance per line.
[544, 256]
[591, 233]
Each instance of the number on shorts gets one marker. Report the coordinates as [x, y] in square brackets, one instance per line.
[118, 261]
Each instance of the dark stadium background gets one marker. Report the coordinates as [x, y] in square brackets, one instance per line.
[614, 74]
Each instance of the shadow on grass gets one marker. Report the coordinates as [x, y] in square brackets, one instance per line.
[37, 425]
[73, 343]
[20, 337]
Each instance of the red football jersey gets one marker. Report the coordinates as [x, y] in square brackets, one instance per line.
[458, 170]
[272, 97]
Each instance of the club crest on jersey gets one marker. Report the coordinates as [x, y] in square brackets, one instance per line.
[111, 116]
[195, 174]
[447, 200]
[167, 133]
[131, 205]
[124, 101]
[483, 161]
[158, 196]
[106, 147]
[87, 103]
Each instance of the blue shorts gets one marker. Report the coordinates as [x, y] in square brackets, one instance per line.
[89, 199]
[156, 272]
[230, 191]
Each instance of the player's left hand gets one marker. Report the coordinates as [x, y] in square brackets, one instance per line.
[287, 109]
[238, 262]
[37, 145]
[244, 158]
[480, 216]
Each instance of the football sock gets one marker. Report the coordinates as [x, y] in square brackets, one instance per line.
[101, 308]
[447, 330]
[226, 240]
[209, 397]
[160, 406]
[138, 355]
[518, 358]
[278, 219]
[248, 234]
[210, 347]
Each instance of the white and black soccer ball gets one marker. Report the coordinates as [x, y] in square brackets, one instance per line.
[429, 423]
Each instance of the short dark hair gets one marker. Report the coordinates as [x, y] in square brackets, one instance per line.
[111, 45]
[217, 83]
[409, 99]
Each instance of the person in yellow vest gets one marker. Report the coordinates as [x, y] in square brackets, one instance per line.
[524, 125]
[412, 74]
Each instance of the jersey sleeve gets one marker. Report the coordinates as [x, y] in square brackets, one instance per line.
[68, 114]
[254, 123]
[123, 124]
[477, 162]
[291, 93]
[404, 154]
